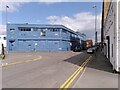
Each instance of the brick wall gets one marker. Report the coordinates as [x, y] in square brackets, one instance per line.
[106, 7]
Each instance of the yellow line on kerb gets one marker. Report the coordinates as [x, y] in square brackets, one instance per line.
[69, 81]
[20, 62]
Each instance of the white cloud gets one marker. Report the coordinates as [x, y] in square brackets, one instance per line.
[83, 22]
[13, 6]
[2, 29]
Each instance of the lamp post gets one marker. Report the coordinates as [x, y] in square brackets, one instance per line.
[6, 21]
[95, 7]
[6, 15]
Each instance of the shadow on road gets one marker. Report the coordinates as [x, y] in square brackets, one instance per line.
[99, 61]
[78, 59]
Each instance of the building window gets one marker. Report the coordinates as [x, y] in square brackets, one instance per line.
[75, 36]
[4, 38]
[29, 29]
[29, 45]
[56, 43]
[42, 33]
[54, 30]
[12, 30]
[32, 29]
[25, 29]
[63, 30]
[56, 34]
[38, 29]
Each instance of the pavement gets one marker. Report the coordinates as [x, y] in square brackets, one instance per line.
[98, 74]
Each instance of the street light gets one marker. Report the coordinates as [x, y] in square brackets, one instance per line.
[6, 20]
[95, 7]
[6, 15]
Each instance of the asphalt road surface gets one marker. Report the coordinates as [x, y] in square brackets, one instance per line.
[48, 71]
[57, 70]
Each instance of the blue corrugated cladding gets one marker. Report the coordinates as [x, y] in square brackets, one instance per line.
[33, 37]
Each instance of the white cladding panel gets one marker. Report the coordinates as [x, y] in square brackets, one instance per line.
[111, 32]
[119, 34]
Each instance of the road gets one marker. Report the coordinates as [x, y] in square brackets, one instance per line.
[56, 70]
[50, 73]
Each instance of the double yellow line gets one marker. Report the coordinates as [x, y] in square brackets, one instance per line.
[69, 81]
[20, 62]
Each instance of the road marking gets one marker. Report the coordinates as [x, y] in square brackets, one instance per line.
[69, 81]
[20, 62]
[72, 75]
[82, 74]
[67, 86]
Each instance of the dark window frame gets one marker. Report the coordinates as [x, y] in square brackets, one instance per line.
[42, 33]
[4, 38]
[12, 30]
[112, 50]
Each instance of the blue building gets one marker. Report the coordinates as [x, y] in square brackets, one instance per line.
[36, 37]
[82, 38]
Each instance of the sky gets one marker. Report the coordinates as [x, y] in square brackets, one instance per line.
[78, 16]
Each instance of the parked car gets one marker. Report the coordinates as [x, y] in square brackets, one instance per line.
[92, 50]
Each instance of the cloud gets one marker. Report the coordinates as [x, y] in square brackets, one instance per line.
[2, 29]
[13, 6]
[83, 22]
